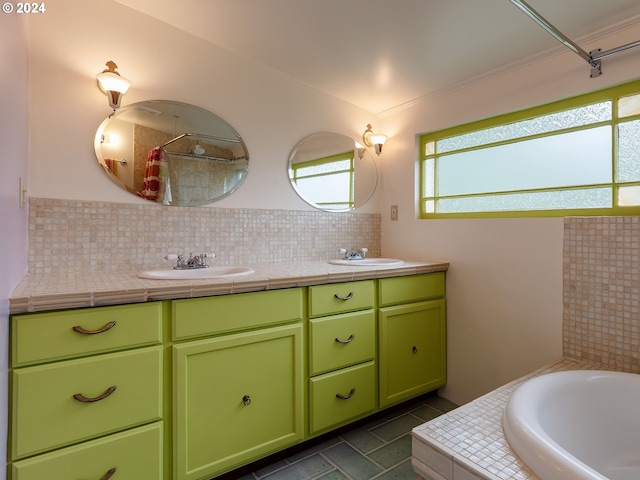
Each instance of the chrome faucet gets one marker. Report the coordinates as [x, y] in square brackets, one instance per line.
[354, 254]
[193, 262]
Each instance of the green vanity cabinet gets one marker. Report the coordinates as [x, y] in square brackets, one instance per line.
[412, 336]
[240, 396]
[98, 407]
[190, 389]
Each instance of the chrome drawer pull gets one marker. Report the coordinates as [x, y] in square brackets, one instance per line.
[109, 474]
[342, 397]
[348, 340]
[83, 399]
[340, 297]
[246, 400]
[81, 330]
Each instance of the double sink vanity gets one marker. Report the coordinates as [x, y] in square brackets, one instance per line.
[189, 378]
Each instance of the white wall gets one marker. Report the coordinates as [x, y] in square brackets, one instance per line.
[504, 287]
[13, 158]
[70, 45]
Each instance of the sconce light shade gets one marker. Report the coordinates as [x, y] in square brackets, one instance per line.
[113, 85]
[375, 140]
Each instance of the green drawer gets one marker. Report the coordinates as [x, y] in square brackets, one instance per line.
[341, 340]
[45, 414]
[341, 298]
[358, 387]
[135, 454]
[40, 337]
[413, 288]
[228, 313]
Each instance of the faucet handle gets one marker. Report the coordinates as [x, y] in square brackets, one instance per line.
[171, 256]
[204, 256]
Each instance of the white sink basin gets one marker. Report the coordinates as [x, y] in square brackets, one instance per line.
[211, 272]
[369, 262]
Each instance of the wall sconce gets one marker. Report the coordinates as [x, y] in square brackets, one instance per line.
[113, 85]
[375, 140]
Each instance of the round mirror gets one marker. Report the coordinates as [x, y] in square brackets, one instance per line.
[332, 172]
[171, 153]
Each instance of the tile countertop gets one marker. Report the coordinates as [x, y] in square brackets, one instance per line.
[91, 289]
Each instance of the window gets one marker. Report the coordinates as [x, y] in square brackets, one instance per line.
[327, 182]
[574, 157]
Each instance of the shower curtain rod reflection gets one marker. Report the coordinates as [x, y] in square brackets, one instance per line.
[206, 157]
[593, 58]
[199, 135]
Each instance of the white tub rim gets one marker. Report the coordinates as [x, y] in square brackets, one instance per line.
[528, 439]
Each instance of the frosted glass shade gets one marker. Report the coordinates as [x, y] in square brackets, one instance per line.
[378, 139]
[112, 82]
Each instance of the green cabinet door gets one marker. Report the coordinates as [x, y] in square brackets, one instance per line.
[236, 398]
[412, 350]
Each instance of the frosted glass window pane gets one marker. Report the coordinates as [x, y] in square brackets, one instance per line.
[570, 159]
[629, 151]
[325, 189]
[628, 106]
[430, 206]
[430, 148]
[576, 117]
[429, 177]
[323, 168]
[629, 196]
[554, 200]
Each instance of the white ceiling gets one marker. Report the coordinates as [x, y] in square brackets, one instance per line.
[382, 54]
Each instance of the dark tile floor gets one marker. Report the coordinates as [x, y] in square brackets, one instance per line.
[379, 449]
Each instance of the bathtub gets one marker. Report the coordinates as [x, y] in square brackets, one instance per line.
[582, 424]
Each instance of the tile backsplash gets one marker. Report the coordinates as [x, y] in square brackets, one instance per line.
[72, 235]
[601, 311]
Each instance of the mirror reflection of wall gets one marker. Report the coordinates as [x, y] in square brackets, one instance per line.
[202, 159]
[332, 172]
[117, 150]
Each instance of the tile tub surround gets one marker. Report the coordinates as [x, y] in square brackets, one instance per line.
[601, 306]
[90, 289]
[71, 235]
[468, 443]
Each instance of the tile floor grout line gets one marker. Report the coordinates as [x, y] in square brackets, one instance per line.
[369, 431]
[335, 466]
[390, 468]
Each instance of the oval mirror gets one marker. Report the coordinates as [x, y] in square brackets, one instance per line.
[171, 153]
[332, 172]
